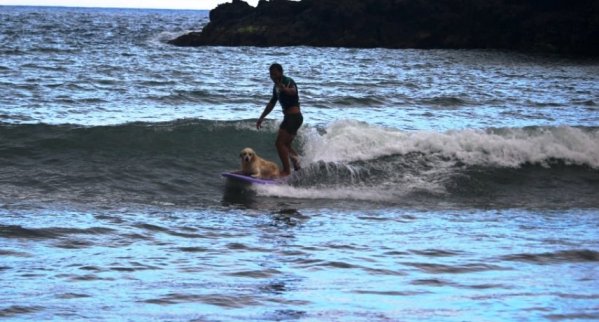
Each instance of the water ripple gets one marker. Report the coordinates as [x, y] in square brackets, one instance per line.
[17, 310]
[455, 269]
[566, 256]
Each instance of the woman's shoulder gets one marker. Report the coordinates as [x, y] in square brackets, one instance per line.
[288, 80]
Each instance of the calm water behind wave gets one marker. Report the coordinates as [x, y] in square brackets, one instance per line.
[437, 185]
[97, 67]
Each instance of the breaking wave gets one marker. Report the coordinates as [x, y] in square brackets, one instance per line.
[180, 162]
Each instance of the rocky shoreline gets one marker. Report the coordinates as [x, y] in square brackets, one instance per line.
[553, 26]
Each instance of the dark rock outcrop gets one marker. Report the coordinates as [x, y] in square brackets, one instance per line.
[559, 26]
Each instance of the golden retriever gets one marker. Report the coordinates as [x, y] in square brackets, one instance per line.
[255, 166]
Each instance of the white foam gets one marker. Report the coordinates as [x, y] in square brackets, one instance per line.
[164, 37]
[337, 193]
[346, 141]
[385, 192]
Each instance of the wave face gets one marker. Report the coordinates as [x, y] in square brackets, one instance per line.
[171, 162]
[179, 162]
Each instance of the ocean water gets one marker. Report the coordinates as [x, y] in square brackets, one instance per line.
[442, 185]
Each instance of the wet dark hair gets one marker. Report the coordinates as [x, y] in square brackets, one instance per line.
[276, 66]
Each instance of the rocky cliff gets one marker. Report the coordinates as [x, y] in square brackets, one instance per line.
[559, 26]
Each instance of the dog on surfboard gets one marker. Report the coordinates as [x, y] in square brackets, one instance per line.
[256, 167]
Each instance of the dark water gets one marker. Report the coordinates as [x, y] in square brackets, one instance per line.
[436, 185]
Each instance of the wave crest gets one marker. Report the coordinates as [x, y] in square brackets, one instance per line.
[347, 141]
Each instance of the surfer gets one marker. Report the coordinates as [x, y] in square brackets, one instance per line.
[285, 91]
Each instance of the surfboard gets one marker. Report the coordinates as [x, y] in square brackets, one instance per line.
[238, 177]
